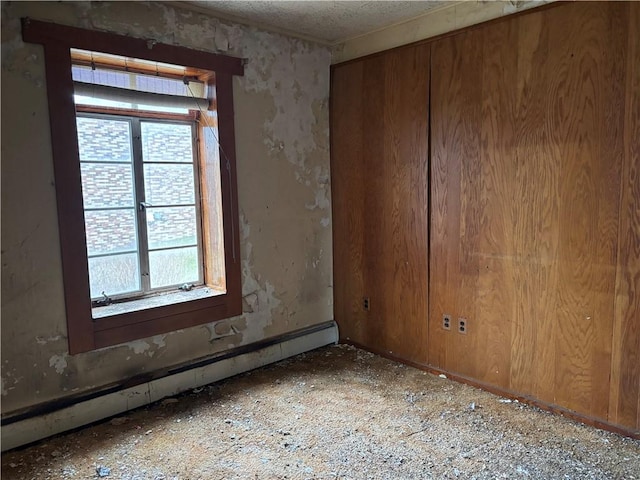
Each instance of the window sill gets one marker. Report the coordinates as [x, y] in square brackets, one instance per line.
[162, 300]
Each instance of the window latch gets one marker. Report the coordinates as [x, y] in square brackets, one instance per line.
[144, 205]
[103, 302]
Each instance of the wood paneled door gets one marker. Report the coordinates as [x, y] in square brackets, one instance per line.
[492, 177]
[379, 174]
[534, 146]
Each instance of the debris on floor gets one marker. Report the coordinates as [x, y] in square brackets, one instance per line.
[334, 413]
[103, 471]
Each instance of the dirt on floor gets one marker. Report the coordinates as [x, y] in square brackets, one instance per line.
[335, 413]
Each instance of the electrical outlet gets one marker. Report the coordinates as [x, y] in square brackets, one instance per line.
[446, 321]
[366, 304]
[462, 325]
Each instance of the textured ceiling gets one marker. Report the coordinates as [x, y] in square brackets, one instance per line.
[325, 21]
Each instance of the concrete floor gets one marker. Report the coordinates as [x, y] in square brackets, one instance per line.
[337, 412]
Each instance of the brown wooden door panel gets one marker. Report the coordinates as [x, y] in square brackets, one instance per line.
[347, 197]
[624, 404]
[388, 159]
[527, 120]
[406, 123]
[534, 216]
[455, 129]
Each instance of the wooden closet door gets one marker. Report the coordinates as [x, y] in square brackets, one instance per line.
[527, 150]
[624, 400]
[347, 198]
[379, 171]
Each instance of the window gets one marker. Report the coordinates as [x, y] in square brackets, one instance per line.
[144, 162]
[142, 217]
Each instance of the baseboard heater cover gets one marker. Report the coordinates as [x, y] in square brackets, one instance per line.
[29, 429]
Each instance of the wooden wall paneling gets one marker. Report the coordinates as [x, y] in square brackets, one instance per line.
[347, 198]
[553, 129]
[378, 268]
[396, 110]
[624, 404]
[406, 126]
[535, 223]
[525, 213]
[416, 219]
[535, 213]
[456, 110]
[494, 187]
[380, 173]
[585, 101]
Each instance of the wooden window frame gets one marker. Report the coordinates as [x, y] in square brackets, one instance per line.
[85, 333]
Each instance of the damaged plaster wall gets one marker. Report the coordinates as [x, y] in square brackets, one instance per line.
[282, 137]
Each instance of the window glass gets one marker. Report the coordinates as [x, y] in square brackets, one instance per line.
[104, 140]
[169, 184]
[173, 267]
[136, 81]
[122, 262]
[166, 142]
[114, 274]
[107, 185]
[110, 231]
[171, 227]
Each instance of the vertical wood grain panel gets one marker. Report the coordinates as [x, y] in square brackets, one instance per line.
[536, 231]
[403, 311]
[624, 405]
[347, 197]
[534, 216]
[496, 186]
[456, 118]
[378, 190]
[586, 98]
[381, 166]
[525, 201]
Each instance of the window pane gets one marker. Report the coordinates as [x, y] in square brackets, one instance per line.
[173, 267]
[99, 102]
[114, 274]
[166, 142]
[101, 76]
[106, 185]
[110, 231]
[137, 81]
[168, 86]
[169, 184]
[171, 227]
[102, 140]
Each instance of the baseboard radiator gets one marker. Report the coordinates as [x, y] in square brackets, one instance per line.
[46, 420]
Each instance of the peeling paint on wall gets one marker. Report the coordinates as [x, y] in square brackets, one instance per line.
[284, 195]
[296, 89]
[138, 346]
[262, 303]
[59, 362]
[44, 341]
[259, 300]
[144, 347]
[10, 381]
[159, 341]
